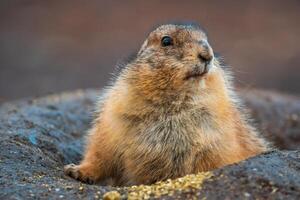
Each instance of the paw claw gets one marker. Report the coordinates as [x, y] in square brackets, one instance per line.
[73, 171]
[90, 181]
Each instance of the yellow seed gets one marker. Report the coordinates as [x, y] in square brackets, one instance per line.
[112, 195]
[168, 187]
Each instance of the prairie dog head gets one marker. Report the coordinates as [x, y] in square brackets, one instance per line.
[173, 60]
[183, 46]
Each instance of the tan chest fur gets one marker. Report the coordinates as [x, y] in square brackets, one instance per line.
[155, 146]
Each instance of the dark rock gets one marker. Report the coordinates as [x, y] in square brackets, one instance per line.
[276, 115]
[39, 136]
[274, 175]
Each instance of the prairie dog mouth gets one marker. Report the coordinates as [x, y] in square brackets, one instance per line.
[198, 71]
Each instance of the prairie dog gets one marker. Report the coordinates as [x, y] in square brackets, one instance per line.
[171, 111]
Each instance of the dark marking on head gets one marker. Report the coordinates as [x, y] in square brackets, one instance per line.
[185, 24]
[188, 24]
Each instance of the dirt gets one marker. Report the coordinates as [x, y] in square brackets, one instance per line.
[39, 136]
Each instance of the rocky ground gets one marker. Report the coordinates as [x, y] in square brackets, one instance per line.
[39, 136]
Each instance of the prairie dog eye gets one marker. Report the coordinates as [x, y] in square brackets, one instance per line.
[166, 41]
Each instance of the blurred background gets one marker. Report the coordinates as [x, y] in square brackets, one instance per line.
[56, 45]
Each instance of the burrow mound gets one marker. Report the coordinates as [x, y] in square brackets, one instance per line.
[39, 136]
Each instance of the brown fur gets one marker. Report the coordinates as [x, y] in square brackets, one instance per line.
[155, 123]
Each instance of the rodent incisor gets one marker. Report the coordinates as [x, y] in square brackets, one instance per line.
[170, 112]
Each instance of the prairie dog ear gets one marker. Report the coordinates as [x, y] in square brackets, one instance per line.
[143, 47]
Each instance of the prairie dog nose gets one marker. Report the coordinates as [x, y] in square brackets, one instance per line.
[206, 53]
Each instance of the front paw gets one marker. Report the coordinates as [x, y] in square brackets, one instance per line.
[74, 171]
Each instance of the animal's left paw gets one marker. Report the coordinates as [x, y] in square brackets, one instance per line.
[75, 172]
